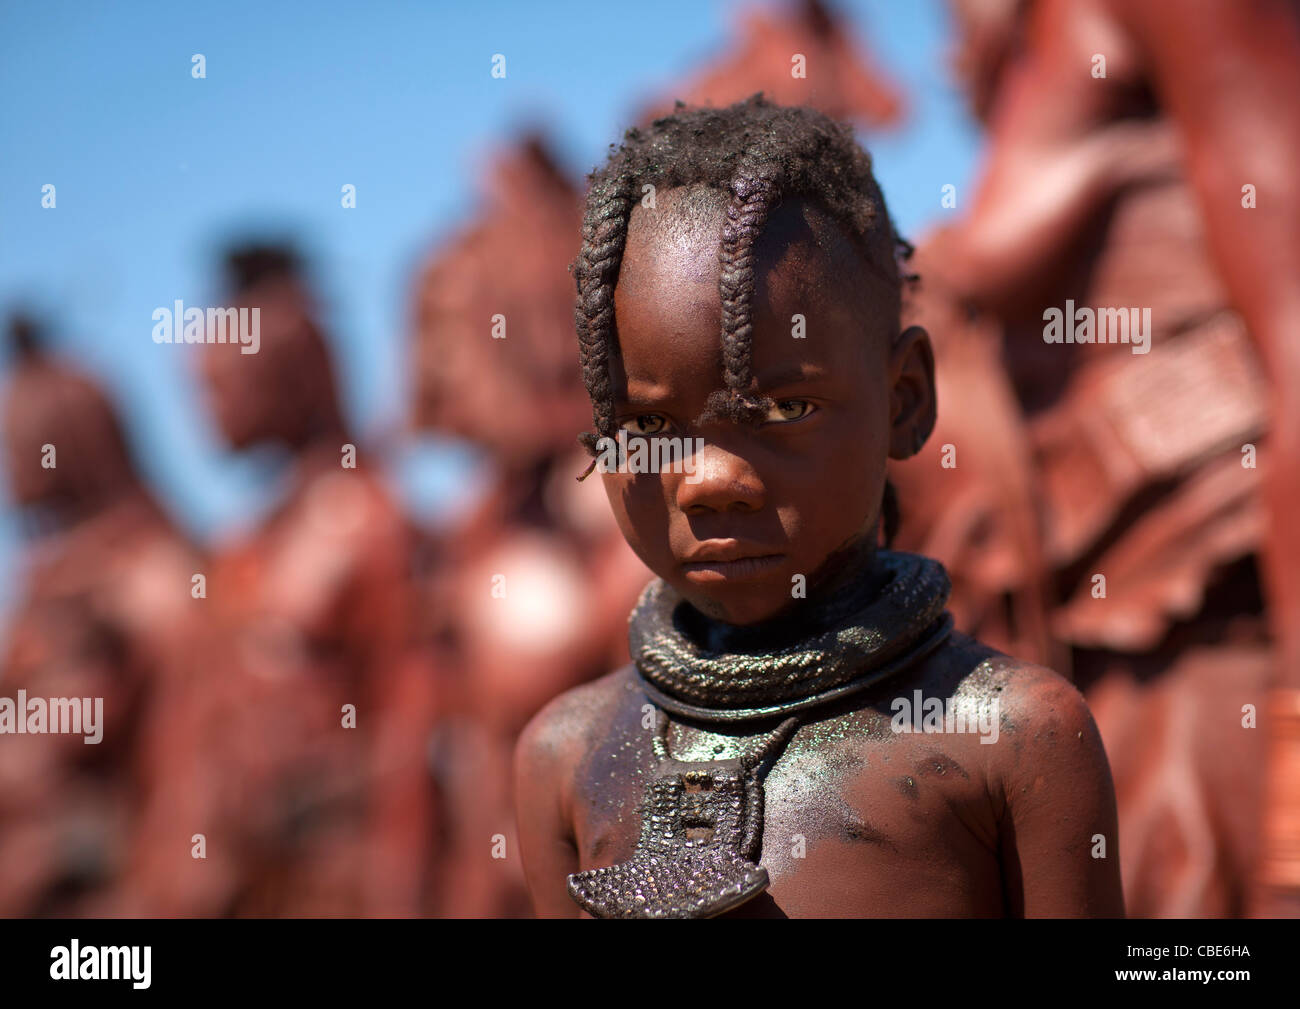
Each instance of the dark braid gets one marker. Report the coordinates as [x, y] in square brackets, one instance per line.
[752, 194]
[758, 153]
[604, 230]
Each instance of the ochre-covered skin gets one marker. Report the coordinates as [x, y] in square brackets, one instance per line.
[98, 617]
[499, 659]
[305, 614]
[843, 81]
[1131, 189]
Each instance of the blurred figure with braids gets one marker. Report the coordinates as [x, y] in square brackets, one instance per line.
[538, 547]
[1122, 136]
[105, 612]
[304, 721]
[837, 78]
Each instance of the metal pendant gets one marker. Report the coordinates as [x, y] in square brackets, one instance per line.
[701, 836]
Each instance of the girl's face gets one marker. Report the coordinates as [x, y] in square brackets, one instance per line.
[771, 511]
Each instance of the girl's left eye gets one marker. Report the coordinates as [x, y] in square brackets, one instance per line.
[784, 410]
[644, 424]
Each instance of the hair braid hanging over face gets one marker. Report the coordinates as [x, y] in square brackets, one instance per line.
[758, 153]
[751, 200]
[604, 232]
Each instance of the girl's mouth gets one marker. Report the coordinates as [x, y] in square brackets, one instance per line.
[711, 572]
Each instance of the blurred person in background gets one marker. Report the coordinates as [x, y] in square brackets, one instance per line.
[1120, 138]
[104, 613]
[834, 74]
[296, 745]
[531, 589]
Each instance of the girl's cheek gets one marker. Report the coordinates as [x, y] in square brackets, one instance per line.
[626, 503]
[642, 513]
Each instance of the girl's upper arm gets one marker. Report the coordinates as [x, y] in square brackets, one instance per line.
[547, 847]
[1060, 831]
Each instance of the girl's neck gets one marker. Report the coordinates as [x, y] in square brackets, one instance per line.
[847, 580]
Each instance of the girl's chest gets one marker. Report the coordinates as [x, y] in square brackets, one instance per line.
[848, 818]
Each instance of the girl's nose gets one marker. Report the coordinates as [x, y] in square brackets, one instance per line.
[722, 481]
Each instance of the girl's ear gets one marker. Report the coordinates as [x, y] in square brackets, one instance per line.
[912, 405]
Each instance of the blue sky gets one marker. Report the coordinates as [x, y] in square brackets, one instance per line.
[155, 170]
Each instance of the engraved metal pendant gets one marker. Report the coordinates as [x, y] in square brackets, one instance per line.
[701, 835]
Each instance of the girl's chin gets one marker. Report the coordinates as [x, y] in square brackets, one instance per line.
[730, 610]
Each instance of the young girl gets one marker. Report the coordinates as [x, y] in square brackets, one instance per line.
[800, 732]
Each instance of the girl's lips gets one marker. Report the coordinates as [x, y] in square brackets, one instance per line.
[713, 572]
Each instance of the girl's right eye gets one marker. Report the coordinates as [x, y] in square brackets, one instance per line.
[644, 424]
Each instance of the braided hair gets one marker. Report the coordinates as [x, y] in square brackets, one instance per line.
[756, 153]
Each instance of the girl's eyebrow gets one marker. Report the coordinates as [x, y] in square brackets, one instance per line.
[650, 394]
[642, 393]
[791, 374]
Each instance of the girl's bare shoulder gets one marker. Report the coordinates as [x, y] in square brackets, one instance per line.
[579, 718]
[1041, 717]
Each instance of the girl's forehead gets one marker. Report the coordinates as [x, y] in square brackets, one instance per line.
[681, 228]
[670, 277]
[804, 264]
[679, 340]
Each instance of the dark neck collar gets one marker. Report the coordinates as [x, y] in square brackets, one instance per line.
[879, 620]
